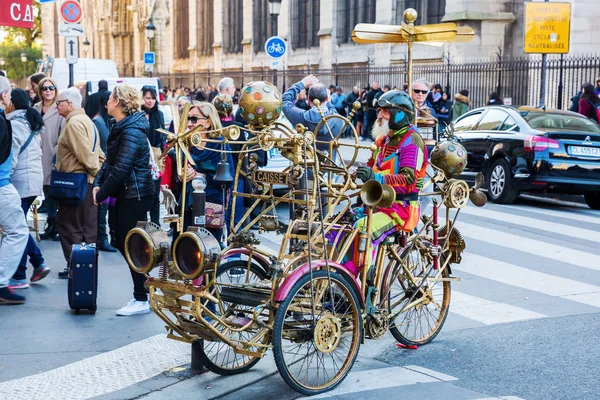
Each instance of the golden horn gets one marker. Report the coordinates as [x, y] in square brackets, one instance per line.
[374, 194]
[478, 198]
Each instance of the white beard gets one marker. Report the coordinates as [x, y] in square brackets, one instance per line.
[380, 128]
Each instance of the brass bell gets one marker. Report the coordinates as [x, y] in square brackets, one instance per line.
[223, 175]
[374, 194]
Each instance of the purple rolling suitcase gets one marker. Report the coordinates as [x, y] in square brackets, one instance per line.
[83, 278]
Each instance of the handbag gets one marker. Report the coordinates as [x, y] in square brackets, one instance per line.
[69, 187]
[215, 217]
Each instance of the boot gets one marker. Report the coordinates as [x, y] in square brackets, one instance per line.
[104, 245]
[7, 296]
[50, 232]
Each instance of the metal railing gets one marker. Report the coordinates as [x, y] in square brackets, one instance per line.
[518, 79]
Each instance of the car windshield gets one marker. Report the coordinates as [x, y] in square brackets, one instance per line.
[549, 122]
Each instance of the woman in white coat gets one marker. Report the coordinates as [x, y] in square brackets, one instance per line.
[53, 124]
[27, 177]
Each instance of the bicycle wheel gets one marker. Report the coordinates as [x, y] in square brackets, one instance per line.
[219, 357]
[315, 352]
[419, 323]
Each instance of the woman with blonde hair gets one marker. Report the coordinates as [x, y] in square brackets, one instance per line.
[205, 115]
[126, 175]
[53, 124]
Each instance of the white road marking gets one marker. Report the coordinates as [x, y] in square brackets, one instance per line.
[382, 378]
[434, 374]
[540, 282]
[488, 312]
[555, 213]
[101, 374]
[532, 246]
[553, 227]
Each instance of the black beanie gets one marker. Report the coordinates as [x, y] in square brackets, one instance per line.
[20, 99]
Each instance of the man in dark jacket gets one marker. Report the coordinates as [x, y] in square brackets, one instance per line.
[12, 220]
[350, 99]
[94, 99]
[371, 109]
[312, 117]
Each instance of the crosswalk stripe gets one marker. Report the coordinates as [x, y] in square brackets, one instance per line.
[553, 227]
[488, 312]
[532, 246]
[540, 282]
[555, 213]
[382, 378]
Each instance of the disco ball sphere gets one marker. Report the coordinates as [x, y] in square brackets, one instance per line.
[260, 103]
[450, 157]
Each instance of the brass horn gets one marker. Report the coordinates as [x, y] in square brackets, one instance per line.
[374, 194]
[477, 197]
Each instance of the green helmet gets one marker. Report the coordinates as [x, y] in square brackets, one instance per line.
[400, 106]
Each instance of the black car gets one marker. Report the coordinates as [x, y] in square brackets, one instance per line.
[531, 150]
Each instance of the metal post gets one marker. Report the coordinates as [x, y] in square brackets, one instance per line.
[499, 87]
[274, 30]
[448, 75]
[71, 75]
[560, 83]
[543, 79]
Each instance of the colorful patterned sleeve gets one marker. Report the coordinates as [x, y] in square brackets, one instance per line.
[410, 159]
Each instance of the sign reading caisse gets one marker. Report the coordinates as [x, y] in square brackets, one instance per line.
[17, 13]
[547, 27]
[270, 177]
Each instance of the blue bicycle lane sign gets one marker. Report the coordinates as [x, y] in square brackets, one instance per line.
[275, 47]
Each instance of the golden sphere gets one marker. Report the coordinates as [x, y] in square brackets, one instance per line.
[260, 104]
[410, 15]
[450, 157]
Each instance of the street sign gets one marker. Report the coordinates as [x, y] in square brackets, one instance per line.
[149, 58]
[72, 49]
[275, 47]
[149, 67]
[547, 27]
[70, 30]
[17, 13]
[71, 12]
[276, 64]
[47, 1]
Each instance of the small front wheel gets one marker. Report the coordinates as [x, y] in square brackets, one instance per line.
[314, 351]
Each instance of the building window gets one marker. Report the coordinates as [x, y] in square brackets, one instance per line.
[233, 24]
[205, 37]
[261, 24]
[305, 23]
[430, 11]
[350, 13]
[182, 28]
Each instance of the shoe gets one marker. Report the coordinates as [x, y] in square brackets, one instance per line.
[56, 238]
[50, 231]
[134, 307]
[39, 273]
[17, 284]
[105, 246]
[64, 274]
[7, 296]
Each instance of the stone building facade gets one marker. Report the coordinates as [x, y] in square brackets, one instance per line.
[229, 35]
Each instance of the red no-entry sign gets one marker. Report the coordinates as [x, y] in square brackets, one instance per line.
[71, 12]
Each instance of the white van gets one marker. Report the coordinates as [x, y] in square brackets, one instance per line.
[85, 69]
[91, 86]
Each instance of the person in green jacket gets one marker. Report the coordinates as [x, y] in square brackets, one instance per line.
[461, 104]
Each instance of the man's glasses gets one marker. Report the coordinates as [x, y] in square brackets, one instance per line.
[44, 88]
[194, 120]
[59, 101]
[417, 91]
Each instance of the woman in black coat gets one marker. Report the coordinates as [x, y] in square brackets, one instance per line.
[157, 140]
[126, 175]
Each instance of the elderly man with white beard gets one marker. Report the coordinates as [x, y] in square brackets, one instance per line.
[400, 161]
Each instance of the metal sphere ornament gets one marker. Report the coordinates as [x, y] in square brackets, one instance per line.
[260, 104]
[450, 157]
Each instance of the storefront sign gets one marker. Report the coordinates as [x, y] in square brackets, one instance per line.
[547, 27]
[17, 13]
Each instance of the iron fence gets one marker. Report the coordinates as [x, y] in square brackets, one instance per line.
[517, 79]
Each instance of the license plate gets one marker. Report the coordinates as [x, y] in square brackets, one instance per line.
[584, 151]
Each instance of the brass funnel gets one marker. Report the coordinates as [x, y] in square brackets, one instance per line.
[374, 194]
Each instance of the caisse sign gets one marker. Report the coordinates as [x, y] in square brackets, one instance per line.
[17, 13]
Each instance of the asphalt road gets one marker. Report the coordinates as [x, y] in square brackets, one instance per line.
[524, 322]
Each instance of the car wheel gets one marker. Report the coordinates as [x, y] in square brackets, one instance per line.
[499, 183]
[593, 200]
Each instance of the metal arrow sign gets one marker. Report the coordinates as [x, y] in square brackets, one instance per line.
[72, 49]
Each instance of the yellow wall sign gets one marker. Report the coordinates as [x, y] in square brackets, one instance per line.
[547, 27]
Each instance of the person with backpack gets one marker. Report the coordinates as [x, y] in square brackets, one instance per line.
[27, 177]
[589, 102]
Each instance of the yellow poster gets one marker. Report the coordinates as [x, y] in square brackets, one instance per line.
[547, 27]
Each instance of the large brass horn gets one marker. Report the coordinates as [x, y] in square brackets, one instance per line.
[477, 197]
[374, 194]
